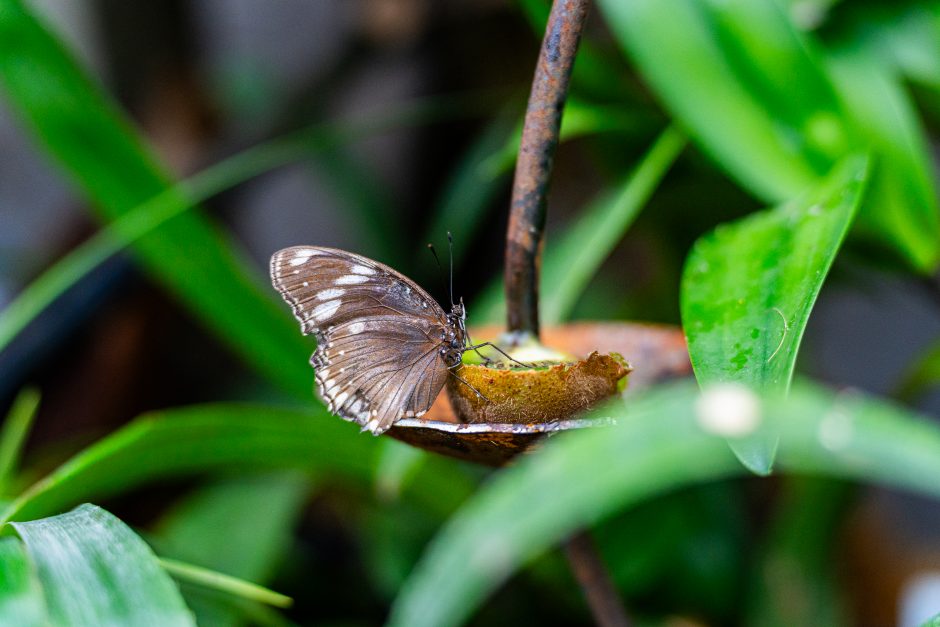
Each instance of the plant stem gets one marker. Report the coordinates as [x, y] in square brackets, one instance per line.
[595, 581]
[534, 165]
[524, 246]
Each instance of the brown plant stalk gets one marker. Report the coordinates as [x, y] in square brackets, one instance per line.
[524, 246]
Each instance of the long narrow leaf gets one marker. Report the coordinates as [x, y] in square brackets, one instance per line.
[576, 258]
[193, 440]
[14, 432]
[90, 138]
[665, 440]
[570, 264]
[761, 98]
[95, 571]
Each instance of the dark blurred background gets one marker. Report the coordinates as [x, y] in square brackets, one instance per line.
[205, 78]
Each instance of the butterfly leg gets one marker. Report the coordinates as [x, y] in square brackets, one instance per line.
[467, 383]
[507, 355]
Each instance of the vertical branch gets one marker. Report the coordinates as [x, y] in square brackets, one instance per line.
[534, 165]
[591, 573]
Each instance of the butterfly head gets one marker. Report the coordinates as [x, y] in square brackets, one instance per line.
[454, 335]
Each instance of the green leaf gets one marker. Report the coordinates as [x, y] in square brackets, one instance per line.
[21, 601]
[86, 133]
[676, 47]
[932, 622]
[224, 583]
[571, 263]
[14, 432]
[665, 440]
[95, 571]
[923, 375]
[200, 439]
[239, 526]
[761, 99]
[152, 213]
[470, 190]
[901, 201]
[749, 286]
[795, 581]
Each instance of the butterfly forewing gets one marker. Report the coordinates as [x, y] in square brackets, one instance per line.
[378, 333]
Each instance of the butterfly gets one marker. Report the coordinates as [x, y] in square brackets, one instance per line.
[385, 348]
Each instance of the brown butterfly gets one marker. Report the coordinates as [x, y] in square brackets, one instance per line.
[384, 347]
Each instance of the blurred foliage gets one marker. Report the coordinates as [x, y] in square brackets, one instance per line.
[781, 102]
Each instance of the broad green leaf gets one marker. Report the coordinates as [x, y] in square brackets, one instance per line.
[749, 286]
[201, 439]
[665, 440]
[569, 265]
[763, 101]
[86, 133]
[95, 571]
[21, 600]
[13, 433]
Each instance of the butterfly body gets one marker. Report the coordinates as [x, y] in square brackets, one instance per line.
[384, 347]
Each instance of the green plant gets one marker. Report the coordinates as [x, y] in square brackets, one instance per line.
[826, 121]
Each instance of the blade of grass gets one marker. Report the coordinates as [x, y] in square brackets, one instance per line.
[749, 286]
[95, 571]
[470, 190]
[923, 374]
[569, 265]
[224, 583]
[240, 526]
[584, 246]
[665, 440]
[87, 134]
[184, 196]
[193, 440]
[21, 601]
[14, 432]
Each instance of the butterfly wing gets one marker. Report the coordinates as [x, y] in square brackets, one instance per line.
[378, 333]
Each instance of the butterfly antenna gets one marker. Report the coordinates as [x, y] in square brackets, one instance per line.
[450, 249]
[440, 268]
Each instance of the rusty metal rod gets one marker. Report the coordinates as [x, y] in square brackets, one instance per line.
[591, 573]
[534, 165]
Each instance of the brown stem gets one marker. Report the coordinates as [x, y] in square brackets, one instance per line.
[534, 165]
[591, 573]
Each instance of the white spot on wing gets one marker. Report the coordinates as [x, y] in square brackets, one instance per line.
[356, 327]
[296, 261]
[340, 399]
[330, 294]
[729, 410]
[351, 279]
[325, 310]
[357, 269]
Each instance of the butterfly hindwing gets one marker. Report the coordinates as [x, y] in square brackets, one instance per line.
[378, 333]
